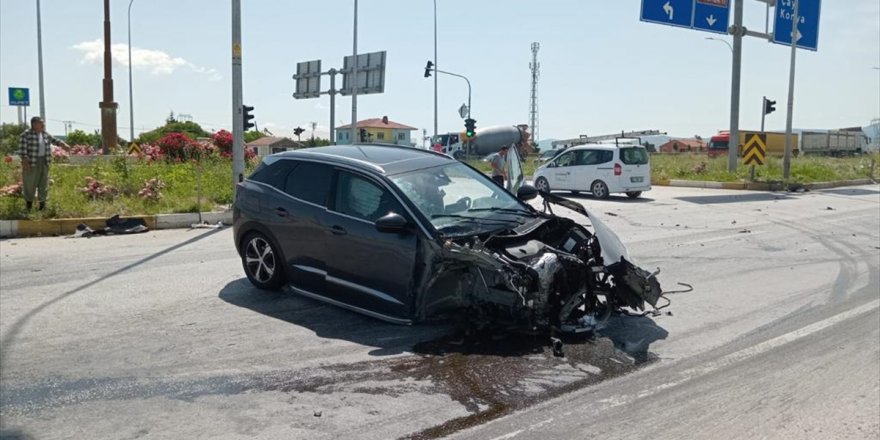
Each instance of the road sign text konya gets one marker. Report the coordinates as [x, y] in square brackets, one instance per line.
[808, 24]
[19, 96]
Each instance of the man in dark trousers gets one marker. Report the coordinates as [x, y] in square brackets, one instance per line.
[35, 150]
[499, 166]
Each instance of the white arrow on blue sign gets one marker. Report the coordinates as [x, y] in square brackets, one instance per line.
[704, 15]
[669, 12]
[808, 24]
[712, 15]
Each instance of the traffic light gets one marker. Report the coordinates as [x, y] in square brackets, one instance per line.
[428, 68]
[769, 106]
[363, 136]
[470, 127]
[247, 116]
[298, 131]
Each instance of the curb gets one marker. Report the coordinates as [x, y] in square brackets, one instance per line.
[67, 226]
[756, 186]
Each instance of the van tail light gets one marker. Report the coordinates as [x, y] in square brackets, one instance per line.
[618, 170]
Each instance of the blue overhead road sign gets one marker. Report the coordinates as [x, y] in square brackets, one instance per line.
[669, 12]
[712, 15]
[19, 96]
[704, 15]
[808, 24]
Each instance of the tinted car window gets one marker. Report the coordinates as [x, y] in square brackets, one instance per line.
[633, 156]
[274, 174]
[363, 199]
[310, 182]
[565, 160]
[607, 156]
[592, 157]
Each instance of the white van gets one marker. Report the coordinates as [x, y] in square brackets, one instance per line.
[597, 168]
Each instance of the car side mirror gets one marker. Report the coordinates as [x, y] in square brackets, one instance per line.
[392, 222]
[526, 193]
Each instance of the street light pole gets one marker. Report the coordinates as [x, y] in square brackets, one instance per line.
[40, 63]
[723, 41]
[130, 87]
[435, 65]
[468, 152]
[354, 79]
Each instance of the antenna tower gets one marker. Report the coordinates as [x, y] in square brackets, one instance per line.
[535, 67]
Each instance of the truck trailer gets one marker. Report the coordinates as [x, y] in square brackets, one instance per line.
[833, 143]
[719, 143]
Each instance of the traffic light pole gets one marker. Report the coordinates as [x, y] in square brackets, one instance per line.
[468, 151]
[237, 116]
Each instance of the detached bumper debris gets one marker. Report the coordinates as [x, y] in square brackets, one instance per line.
[115, 226]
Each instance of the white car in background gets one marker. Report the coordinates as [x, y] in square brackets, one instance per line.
[601, 169]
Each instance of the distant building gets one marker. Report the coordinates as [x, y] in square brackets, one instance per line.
[683, 146]
[267, 145]
[381, 130]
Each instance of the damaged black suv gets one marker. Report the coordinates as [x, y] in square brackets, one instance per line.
[408, 235]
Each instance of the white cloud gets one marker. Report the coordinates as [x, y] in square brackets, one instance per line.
[158, 62]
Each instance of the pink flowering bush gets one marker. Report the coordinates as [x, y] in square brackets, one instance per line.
[82, 150]
[95, 189]
[11, 190]
[152, 189]
[60, 154]
[223, 140]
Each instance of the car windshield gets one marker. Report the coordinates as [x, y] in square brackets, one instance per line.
[458, 199]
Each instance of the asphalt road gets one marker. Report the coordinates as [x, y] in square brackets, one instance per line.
[160, 336]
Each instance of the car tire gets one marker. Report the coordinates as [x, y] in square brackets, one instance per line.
[457, 155]
[542, 184]
[633, 194]
[599, 189]
[262, 262]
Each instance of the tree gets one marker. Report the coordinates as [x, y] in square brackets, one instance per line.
[191, 129]
[250, 136]
[9, 135]
[79, 137]
[317, 142]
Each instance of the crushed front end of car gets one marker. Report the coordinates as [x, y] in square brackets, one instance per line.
[557, 276]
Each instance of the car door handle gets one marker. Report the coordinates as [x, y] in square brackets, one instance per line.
[338, 230]
[281, 212]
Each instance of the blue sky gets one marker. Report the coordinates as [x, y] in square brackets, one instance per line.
[602, 70]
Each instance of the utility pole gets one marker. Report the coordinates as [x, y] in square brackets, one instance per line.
[738, 31]
[108, 106]
[40, 63]
[237, 116]
[354, 79]
[435, 65]
[130, 86]
[786, 159]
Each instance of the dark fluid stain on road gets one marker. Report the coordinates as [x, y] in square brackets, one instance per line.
[491, 373]
[493, 376]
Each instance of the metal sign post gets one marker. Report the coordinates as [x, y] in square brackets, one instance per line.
[786, 159]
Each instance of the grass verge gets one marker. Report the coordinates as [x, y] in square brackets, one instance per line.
[67, 200]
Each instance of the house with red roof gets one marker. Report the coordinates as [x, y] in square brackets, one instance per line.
[380, 130]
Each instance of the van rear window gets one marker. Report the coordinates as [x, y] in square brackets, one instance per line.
[634, 156]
